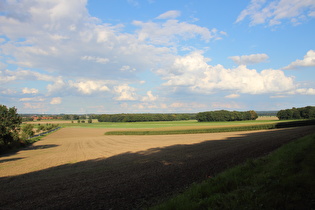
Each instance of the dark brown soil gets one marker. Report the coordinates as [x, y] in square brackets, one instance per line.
[136, 180]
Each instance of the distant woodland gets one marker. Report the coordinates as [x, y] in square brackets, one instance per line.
[224, 115]
[307, 112]
[143, 117]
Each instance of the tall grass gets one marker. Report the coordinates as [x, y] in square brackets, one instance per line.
[285, 179]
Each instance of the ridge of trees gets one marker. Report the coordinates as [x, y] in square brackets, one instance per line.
[307, 112]
[224, 115]
[142, 117]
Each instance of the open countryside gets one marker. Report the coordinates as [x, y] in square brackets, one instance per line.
[108, 171]
[79, 142]
[150, 104]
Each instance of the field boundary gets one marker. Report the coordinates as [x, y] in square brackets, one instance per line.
[216, 130]
[44, 133]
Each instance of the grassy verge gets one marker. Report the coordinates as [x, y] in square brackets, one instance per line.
[216, 130]
[285, 179]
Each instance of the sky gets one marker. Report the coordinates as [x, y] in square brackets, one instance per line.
[156, 56]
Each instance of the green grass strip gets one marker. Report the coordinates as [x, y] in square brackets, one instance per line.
[215, 130]
[285, 179]
[192, 131]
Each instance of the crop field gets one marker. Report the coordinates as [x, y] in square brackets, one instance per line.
[71, 145]
[80, 167]
[156, 125]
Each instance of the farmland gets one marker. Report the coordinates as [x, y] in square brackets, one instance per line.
[80, 167]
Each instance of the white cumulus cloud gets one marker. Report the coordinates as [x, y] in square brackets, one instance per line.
[89, 87]
[125, 93]
[149, 97]
[309, 60]
[304, 91]
[193, 73]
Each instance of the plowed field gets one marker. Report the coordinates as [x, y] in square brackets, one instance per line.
[81, 168]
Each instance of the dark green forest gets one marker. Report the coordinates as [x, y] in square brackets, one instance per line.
[224, 115]
[143, 117]
[307, 112]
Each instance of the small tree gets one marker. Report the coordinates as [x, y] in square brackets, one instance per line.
[10, 123]
[253, 115]
[27, 131]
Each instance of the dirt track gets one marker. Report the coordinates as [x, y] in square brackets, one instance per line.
[81, 168]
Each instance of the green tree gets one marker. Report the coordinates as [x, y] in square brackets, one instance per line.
[27, 131]
[40, 128]
[253, 115]
[296, 113]
[10, 123]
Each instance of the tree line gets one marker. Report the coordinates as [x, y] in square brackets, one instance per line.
[224, 115]
[307, 112]
[142, 117]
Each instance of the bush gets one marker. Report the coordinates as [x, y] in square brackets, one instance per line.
[27, 131]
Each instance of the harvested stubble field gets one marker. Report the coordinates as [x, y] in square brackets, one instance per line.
[81, 168]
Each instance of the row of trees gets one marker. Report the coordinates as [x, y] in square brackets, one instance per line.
[224, 115]
[28, 130]
[30, 117]
[141, 117]
[307, 112]
[83, 121]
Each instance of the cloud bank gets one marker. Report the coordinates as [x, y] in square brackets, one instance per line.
[275, 12]
[48, 56]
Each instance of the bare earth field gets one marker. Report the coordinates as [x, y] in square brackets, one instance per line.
[81, 168]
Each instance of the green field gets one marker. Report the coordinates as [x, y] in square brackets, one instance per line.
[183, 127]
[163, 124]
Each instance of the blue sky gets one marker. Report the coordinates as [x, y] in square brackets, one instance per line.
[156, 56]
